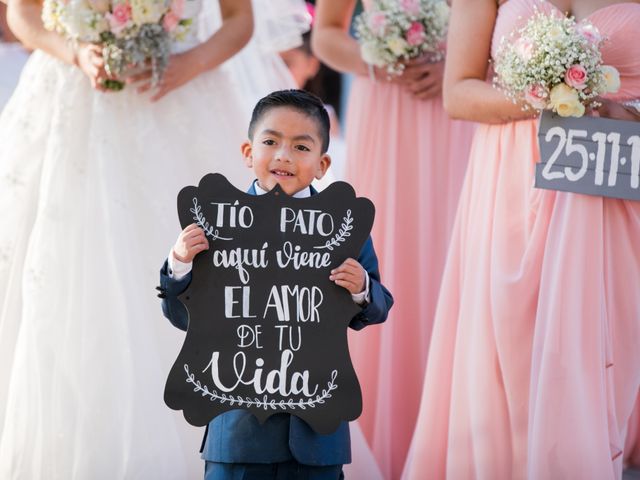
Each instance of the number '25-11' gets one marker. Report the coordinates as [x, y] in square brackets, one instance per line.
[601, 139]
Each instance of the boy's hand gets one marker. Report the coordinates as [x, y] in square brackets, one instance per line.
[190, 242]
[349, 275]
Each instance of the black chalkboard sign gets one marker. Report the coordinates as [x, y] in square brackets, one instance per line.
[267, 328]
[590, 155]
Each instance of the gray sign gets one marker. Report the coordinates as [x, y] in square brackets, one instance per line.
[590, 155]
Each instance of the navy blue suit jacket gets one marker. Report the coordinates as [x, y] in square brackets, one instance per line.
[237, 436]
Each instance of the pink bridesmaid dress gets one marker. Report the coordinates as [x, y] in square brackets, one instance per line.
[409, 158]
[534, 365]
[632, 443]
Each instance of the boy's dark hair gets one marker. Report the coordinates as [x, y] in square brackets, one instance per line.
[299, 100]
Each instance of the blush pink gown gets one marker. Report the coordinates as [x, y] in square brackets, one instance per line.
[534, 365]
[409, 158]
[632, 443]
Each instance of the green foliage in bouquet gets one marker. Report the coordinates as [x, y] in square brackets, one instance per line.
[150, 47]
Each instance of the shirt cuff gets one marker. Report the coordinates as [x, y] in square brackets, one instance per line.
[363, 298]
[177, 269]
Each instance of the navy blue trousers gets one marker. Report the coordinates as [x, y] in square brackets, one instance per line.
[290, 470]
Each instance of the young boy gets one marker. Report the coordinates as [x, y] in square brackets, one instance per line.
[288, 140]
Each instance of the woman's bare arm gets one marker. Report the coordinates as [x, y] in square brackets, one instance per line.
[467, 94]
[229, 39]
[330, 39]
[24, 19]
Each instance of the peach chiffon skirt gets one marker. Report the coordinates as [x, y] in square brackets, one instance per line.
[534, 365]
[477, 381]
[533, 369]
[632, 443]
[409, 158]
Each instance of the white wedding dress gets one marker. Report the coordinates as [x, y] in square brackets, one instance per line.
[88, 187]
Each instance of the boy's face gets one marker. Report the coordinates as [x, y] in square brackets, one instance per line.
[286, 149]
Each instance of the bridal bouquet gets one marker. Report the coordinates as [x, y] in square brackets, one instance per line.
[554, 63]
[396, 30]
[132, 32]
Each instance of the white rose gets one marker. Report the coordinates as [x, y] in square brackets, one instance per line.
[147, 11]
[578, 110]
[78, 20]
[556, 34]
[50, 14]
[611, 78]
[565, 101]
[397, 45]
[371, 55]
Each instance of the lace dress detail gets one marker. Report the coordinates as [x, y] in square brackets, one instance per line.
[88, 187]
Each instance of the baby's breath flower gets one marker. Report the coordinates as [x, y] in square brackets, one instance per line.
[392, 31]
[129, 36]
[544, 55]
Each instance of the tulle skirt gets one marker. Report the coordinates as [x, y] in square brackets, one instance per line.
[409, 158]
[533, 367]
[88, 183]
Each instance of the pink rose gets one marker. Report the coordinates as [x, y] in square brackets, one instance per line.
[576, 77]
[412, 7]
[524, 47]
[378, 22]
[119, 17]
[415, 34]
[536, 95]
[170, 21]
[591, 33]
[311, 12]
[177, 7]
